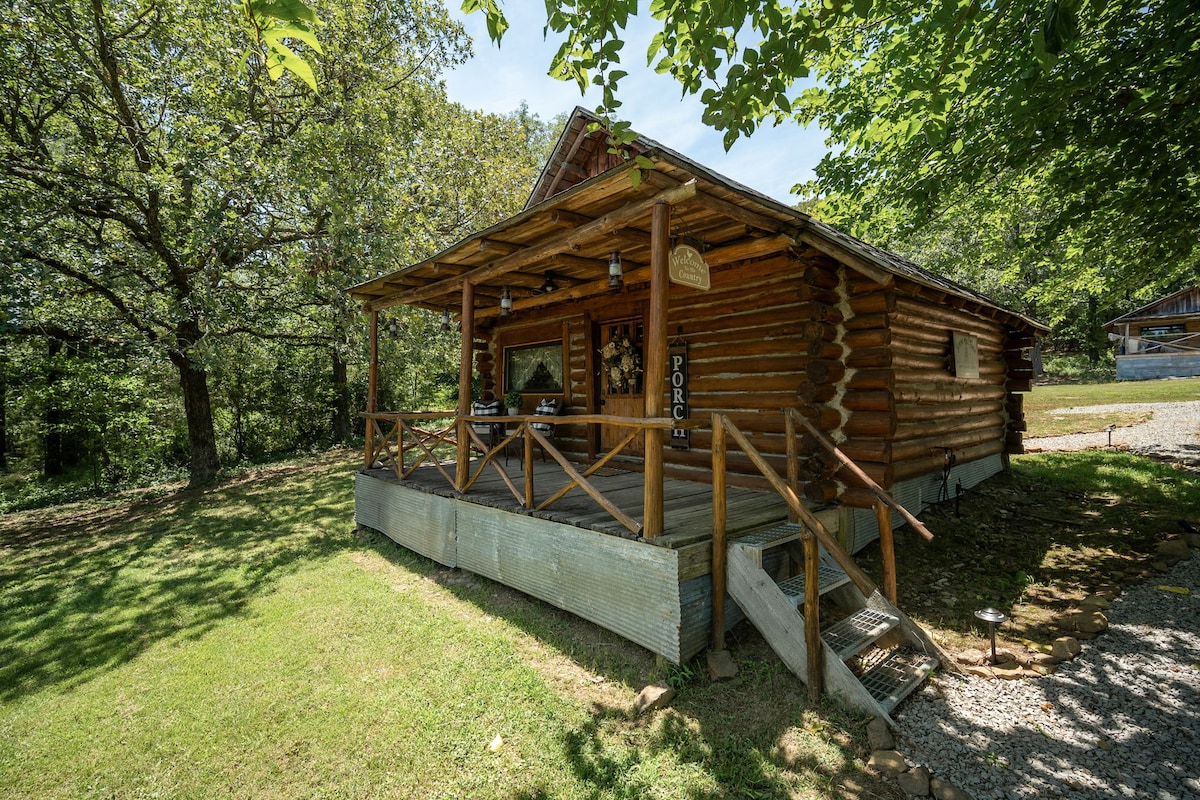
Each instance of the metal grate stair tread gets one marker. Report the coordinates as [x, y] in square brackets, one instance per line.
[769, 537]
[849, 636]
[758, 542]
[828, 579]
[896, 676]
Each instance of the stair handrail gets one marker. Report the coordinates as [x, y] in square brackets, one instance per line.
[868, 482]
[795, 505]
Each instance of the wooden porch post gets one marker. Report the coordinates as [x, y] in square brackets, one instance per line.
[887, 549]
[372, 388]
[720, 521]
[465, 364]
[656, 367]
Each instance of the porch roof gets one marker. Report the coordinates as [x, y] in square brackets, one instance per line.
[572, 233]
[1178, 306]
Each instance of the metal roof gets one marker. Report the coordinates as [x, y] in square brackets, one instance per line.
[1184, 303]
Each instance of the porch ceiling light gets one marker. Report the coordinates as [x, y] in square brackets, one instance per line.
[505, 302]
[549, 285]
[445, 320]
[616, 274]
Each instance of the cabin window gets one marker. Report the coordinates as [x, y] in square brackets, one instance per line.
[534, 368]
[1162, 331]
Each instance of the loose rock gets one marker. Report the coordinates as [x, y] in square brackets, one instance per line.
[653, 697]
[944, 790]
[888, 763]
[879, 735]
[915, 782]
[1065, 648]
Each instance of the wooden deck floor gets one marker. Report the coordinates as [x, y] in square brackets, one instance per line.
[687, 516]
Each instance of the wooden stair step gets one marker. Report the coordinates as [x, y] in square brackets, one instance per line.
[852, 634]
[896, 676]
[828, 579]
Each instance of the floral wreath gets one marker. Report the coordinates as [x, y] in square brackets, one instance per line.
[622, 363]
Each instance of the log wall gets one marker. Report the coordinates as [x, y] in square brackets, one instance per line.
[870, 365]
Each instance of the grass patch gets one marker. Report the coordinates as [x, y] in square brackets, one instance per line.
[1044, 405]
[242, 641]
[1038, 539]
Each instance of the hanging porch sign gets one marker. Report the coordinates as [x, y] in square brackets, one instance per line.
[677, 375]
[688, 268]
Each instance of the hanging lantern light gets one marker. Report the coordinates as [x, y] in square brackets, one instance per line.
[616, 274]
[505, 302]
[445, 320]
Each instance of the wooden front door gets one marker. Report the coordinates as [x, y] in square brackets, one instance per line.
[620, 364]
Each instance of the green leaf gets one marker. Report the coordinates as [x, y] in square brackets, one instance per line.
[282, 58]
[276, 35]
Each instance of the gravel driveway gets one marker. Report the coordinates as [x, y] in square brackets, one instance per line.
[1173, 433]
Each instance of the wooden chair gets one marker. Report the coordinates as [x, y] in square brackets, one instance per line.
[490, 432]
[546, 408]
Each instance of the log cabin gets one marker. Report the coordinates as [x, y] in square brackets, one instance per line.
[722, 400]
[1159, 340]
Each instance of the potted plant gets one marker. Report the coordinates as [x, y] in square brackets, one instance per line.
[512, 401]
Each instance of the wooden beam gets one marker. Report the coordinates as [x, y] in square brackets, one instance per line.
[720, 522]
[751, 248]
[632, 276]
[568, 219]
[568, 260]
[465, 363]
[734, 211]
[564, 242]
[848, 257]
[727, 208]
[633, 236]
[497, 246]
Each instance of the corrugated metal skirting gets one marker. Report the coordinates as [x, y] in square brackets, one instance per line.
[630, 588]
[918, 494]
[420, 521]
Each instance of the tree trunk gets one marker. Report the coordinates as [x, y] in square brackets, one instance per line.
[341, 398]
[52, 447]
[3, 410]
[202, 439]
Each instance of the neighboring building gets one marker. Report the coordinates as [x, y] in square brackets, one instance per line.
[1159, 340]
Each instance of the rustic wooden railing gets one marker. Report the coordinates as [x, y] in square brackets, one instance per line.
[1167, 344]
[391, 444]
[883, 500]
[392, 435]
[811, 529]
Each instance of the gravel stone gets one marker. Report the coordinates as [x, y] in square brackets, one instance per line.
[1121, 720]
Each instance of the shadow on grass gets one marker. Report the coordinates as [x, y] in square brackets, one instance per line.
[755, 736]
[87, 588]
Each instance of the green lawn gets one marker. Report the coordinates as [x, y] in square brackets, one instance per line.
[244, 642]
[1042, 403]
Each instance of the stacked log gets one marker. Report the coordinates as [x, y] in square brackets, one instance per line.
[485, 367]
[906, 405]
[826, 368]
[1020, 379]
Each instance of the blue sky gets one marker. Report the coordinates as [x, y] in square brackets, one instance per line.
[497, 80]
